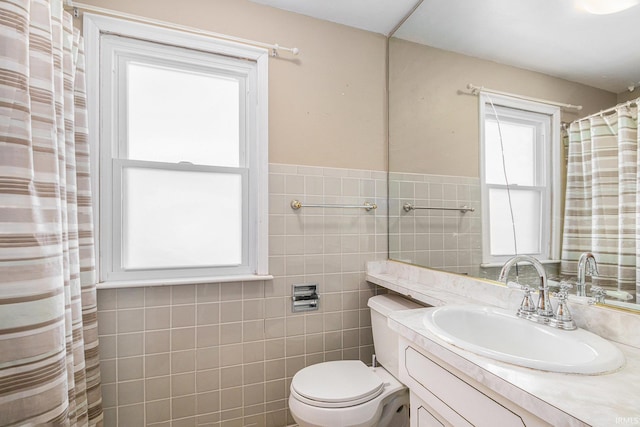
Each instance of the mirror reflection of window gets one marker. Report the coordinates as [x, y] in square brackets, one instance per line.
[517, 179]
[519, 143]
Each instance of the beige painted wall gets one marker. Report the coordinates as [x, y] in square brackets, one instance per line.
[433, 128]
[326, 105]
[628, 96]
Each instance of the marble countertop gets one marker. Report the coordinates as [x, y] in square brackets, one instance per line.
[561, 399]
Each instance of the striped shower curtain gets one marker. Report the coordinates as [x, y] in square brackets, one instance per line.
[49, 370]
[602, 208]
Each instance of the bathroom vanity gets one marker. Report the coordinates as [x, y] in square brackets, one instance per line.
[444, 396]
[451, 386]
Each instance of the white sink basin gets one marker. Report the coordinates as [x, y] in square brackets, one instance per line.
[500, 335]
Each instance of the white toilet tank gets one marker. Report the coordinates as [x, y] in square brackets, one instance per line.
[385, 340]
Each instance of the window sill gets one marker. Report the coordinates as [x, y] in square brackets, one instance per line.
[184, 281]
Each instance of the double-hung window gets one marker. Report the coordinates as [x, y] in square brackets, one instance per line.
[520, 178]
[182, 148]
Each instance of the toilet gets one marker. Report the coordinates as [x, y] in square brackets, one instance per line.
[348, 393]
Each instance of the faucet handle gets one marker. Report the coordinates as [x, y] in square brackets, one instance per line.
[598, 293]
[562, 318]
[565, 286]
[563, 294]
[527, 306]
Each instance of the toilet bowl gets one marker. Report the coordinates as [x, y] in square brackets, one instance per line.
[348, 393]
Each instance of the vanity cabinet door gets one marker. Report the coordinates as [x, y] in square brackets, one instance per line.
[424, 416]
[444, 398]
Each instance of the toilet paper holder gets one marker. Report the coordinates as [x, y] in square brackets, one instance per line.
[304, 297]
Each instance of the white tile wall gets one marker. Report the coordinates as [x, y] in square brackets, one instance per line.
[447, 240]
[223, 354]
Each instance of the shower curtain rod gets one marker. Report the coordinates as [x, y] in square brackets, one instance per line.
[69, 4]
[475, 90]
[610, 110]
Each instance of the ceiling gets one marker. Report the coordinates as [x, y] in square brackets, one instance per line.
[555, 37]
[378, 16]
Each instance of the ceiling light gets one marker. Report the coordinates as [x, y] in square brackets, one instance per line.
[605, 7]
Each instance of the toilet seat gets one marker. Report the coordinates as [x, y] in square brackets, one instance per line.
[337, 384]
[366, 412]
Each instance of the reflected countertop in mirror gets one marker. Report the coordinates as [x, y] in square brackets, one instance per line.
[434, 155]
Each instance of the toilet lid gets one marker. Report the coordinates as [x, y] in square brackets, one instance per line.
[337, 383]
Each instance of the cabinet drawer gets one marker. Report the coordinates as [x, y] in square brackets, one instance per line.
[458, 397]
[426, 418]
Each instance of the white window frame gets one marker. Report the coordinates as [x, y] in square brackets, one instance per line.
[247, 61]
[550, 152]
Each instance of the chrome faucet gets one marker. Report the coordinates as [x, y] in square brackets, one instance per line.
[544, 304]
[587, 265]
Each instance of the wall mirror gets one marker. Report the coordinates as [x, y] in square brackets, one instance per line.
[435, 126]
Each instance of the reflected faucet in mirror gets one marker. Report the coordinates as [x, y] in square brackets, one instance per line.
[587, 265]
[436, 159]
[598, 293]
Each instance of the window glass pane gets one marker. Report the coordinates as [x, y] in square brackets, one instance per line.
[519, 153]
[528, 223]
[175, 219]
[178, 115]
